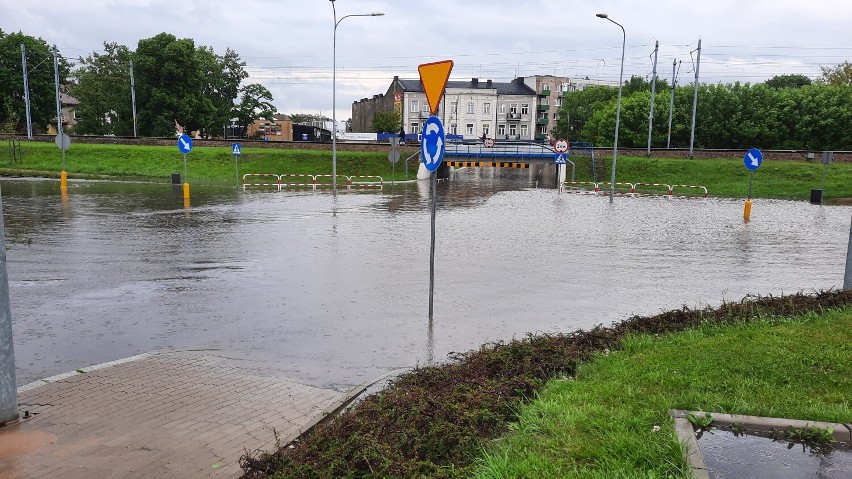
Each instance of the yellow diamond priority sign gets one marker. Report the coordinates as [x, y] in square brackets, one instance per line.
[434, 78]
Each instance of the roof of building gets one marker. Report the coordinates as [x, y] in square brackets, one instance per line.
[68, 100]
[514, 87]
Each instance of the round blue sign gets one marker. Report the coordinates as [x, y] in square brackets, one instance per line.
[184, 144]
[432, 144]
[753, 158]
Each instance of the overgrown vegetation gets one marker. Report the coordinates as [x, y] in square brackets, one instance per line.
[728, 116]
[434, 421]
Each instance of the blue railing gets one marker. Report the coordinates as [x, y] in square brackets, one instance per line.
[504, 150]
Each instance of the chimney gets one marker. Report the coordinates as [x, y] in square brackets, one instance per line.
[488, 84]
[475, 82]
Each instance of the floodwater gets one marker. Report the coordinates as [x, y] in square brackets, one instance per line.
[333, 291]
[731, 456]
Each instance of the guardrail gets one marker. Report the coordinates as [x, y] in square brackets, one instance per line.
[293, 180]
[636, 189]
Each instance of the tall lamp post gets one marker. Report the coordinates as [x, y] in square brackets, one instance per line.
[334, 91]
[618, 108]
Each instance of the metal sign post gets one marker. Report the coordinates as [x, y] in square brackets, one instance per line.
[237, 151]
[432, 152]
[434, 78]
[184, 144]
[752, 161]
[827, 156]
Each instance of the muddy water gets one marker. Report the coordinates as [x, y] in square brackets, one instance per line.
[334, 291]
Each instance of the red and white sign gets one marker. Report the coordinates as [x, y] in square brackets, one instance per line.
[561, 145]
[489, 142]
[397, 96]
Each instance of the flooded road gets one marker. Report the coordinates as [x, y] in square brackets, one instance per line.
[334, 291]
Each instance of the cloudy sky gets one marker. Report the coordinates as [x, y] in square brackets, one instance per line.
[288, 47]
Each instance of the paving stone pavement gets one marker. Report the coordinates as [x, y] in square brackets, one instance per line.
[162, 415]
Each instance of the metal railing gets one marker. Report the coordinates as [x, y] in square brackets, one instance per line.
[636, 189]
[311, 181]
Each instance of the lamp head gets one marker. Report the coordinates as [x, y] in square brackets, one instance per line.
[377, 14]
[599, 15]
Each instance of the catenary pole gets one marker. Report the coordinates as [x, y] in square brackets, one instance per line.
[695, 99]
[671, 103]
[26, 91]
[133, 97]
[653, 93]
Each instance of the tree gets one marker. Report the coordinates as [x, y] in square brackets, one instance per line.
[307, 118]
[787, 81]
[255, 103]
[386, 122]
[40, 78]
[839, 75]
[223, 76]
[103, 87]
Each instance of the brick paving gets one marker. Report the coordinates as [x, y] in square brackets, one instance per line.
[182, 415]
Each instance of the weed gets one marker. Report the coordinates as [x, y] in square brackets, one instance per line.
[702, 422]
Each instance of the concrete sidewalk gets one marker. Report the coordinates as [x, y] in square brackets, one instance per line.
[164, 415]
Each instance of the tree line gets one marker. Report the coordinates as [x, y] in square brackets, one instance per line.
[785, 112]
[176, 83]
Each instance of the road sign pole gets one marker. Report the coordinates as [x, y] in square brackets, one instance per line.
[185, 176]
[432, 246]
[750, 181]
[822, 191]
[237, 168]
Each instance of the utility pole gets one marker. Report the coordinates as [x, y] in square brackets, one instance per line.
[671, 103]
[8, 388]
[26, 91]
[133, 97]
[59, 130]
[653, 92]
[695, 99]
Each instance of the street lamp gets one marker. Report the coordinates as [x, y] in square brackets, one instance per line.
[618, 108]
[334, 91]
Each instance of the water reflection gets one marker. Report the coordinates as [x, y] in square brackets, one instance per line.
[334, 290]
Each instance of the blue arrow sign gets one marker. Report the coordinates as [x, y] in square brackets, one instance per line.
[753, 159]
[560, 159]
[235, 149]
[184, 144]
[432, 144]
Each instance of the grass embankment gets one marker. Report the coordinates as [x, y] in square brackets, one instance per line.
[595, 412]
[203, 163]
[728, 178]
[602, 422]
[722, 177]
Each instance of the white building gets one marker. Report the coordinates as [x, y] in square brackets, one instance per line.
[469, 108]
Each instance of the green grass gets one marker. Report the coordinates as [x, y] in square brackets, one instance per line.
[722, 177]
[728, 177]
[601, 424]
[210, 164]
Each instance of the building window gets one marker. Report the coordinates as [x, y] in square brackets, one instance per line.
[502, 108]
[415, 105]
[513, 108]
[470, 107]
[542, 130]
[425, 106]
[558, 102]
[486, 108]
[486, 129]
[415, 128]
[501, 129]
[525, 109]
[545, 88]
[470, 128]
[513, 130]
[524, 131]
[454, 129]
[454, 107]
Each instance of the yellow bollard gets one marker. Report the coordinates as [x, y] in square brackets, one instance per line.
[747, 211]
[186, 191]
[63, 180]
